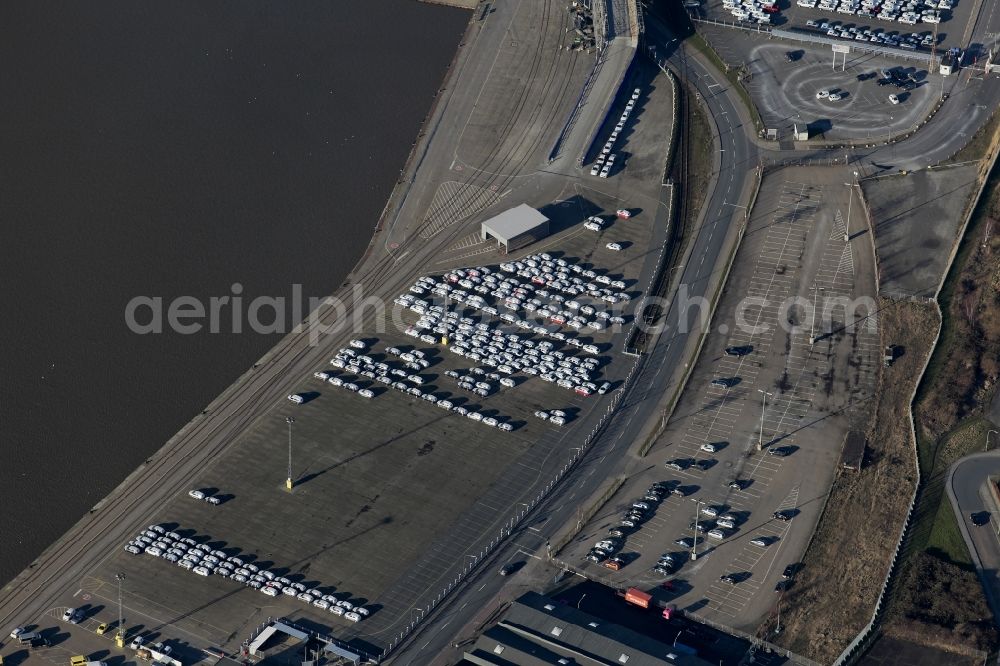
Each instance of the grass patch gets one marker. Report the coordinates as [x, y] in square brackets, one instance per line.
[946, 540]
[706, 49]
[699, 167]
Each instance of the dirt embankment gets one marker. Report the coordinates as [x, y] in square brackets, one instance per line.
[833, 597]
[939, 601]
[964, 373]
[941, 605]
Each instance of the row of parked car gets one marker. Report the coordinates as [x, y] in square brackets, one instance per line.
[205, 496]
[908, 12]
[605, 161]
[638, 511]
[203, 560]
[875, 36]
[753, 11]
[510, 353]
[418, 358]
[547, 288]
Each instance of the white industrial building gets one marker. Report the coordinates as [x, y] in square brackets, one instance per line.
[516, 227]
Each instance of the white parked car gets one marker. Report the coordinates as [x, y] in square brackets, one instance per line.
[197, 494]
[614, 246]
[357, 344]
[893, 99]
[365, 393]
[202, 571]
[822, 94]
[296, 398]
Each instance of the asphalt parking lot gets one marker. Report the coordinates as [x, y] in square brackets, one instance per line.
[795, 247]
[392, 494]
[916, 218]
[952, 31]
[785, 93]
[633, 183]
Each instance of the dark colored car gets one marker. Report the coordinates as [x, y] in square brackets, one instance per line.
[704, 465]
[679, 464]
[782, 515]
[782, 585]
[508, 569]
[980, 518]
[725, 382]
[737, 484]
[780, 451]
[742, 350]
[790, 571]
[684, 542]
[729, 578]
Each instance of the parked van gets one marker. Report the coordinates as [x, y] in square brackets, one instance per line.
[27, 637]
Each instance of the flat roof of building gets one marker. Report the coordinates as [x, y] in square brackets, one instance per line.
[539, 630]
[514, 222]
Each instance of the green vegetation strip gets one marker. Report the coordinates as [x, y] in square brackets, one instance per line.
[946, 540]
[706, 49]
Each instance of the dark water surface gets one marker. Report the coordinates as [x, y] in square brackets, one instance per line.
[167, 149]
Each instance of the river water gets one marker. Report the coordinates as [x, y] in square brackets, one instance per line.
[172, 149]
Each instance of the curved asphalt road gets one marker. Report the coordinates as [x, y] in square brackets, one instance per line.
[657, 377]
[968, 491]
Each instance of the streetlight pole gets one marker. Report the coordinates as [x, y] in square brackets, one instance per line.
[850, 200]
[694, 540]
[812, 328]
[991, 432]
[763, 407]
[120, 635]
[288, 480]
